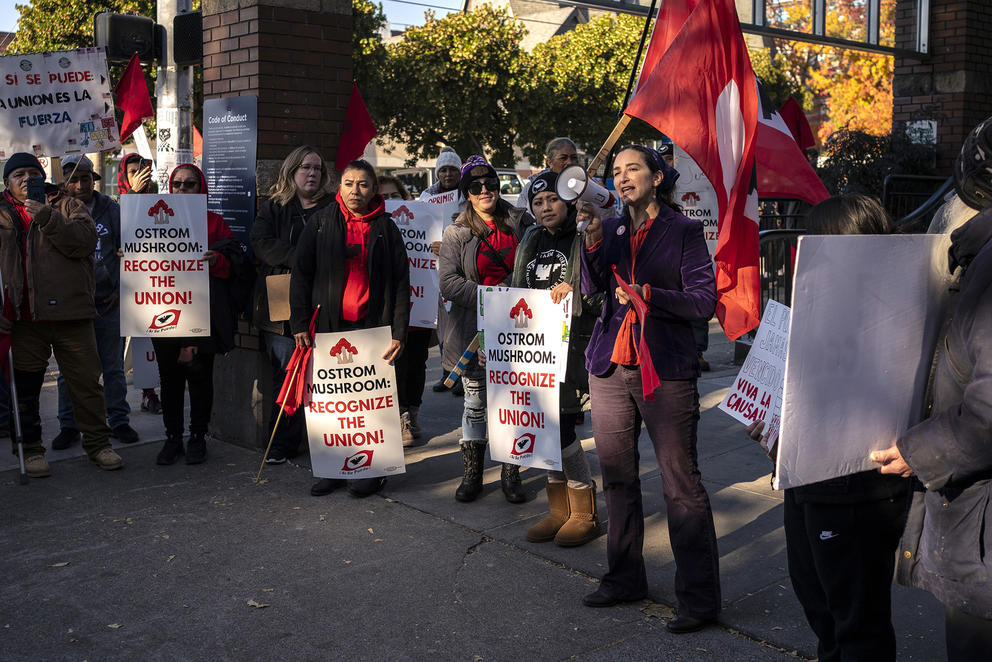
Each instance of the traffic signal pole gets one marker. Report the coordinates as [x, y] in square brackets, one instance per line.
[174, 96]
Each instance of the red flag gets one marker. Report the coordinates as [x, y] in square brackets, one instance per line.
[794, 117]
[649, 377]
[783, 169]
[702, 94]
[357, 132]
[131, 96]
[291, 394]
[197, 143]
[671, 16]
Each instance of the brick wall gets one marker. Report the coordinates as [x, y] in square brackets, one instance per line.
[295, 57]
[953, 83]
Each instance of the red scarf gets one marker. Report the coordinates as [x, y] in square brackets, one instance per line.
[624, 349]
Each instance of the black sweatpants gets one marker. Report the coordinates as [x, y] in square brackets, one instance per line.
[411, 368]
[174, 377]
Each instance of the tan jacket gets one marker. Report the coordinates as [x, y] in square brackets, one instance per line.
[61, 241]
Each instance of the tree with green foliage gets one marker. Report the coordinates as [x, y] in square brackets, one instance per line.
[368, 54]
[448, 83]
[54, 25]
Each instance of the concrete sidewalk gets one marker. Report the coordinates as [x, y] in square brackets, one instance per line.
[165, 563]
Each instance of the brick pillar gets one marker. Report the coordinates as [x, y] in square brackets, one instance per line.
[953, 84]
[295, 56]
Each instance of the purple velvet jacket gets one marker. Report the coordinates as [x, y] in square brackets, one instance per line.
[674, 261]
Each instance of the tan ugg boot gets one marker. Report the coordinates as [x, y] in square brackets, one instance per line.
[545, 530]
[582, 525]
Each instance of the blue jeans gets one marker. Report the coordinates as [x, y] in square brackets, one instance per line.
[109, 345]
[474, 414]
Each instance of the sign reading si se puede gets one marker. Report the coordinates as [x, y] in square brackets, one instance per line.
[165, 285]
[56, 103]
[420, 224]
[523, 334]
[756, 394]
[353, 417]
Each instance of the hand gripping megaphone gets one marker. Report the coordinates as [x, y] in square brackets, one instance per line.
[575, 184]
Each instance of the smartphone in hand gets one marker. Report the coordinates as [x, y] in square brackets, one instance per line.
[36, 189]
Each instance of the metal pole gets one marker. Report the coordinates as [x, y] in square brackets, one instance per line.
[174, 95]
[637, 58]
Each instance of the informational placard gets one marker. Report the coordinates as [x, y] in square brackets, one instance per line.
[144, 363]
[420, 223]
[525, 343]
[56, 103]
[353, 417]
[866, 313]
[165, 285]
[756, 394]
[230, 139]
[694, 193]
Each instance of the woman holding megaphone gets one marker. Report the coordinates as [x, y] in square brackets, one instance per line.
[654, 267]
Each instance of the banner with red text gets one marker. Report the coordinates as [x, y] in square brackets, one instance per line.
[525, 341]
[353, 417]
[420, 223]
[165, 285]
[756, 394]
[56, 103]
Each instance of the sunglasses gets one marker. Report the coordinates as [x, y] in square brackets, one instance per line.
[489, 183]
[185, 183]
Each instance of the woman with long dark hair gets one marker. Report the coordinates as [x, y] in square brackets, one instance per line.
[663, 257]
[477, 249]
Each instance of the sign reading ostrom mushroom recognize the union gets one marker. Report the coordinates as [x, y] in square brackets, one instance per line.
[353, 418]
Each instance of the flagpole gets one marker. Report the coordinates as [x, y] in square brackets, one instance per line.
[637, 58]
[14, 404]
[611, 140]
[275, 427]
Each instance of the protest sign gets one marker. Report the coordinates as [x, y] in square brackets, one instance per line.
[866, 313]
[525, 341]
[756, 394]
[165, 285]
[56, 103]
[143, 363]
[420, 224]
[353, 418]
[696, 196]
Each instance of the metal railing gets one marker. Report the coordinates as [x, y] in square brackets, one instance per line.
[903, 195]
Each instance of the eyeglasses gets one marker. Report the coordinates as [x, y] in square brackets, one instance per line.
[185, 183]
[489, 183]
[310, 168]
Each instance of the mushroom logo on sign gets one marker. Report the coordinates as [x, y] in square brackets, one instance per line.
[402, 215]
[161, 213]
[524, 444]
[357, 461]
[690, 198]
[344, 351]
[520, 313]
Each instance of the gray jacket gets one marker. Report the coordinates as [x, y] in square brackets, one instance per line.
[946, 545]
[458, 274]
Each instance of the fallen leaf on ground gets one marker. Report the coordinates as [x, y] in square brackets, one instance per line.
[115, 626]
[347, 562]
[257, 605]
[267, 590]
[61, 564]
[371, 531]
[172, 556]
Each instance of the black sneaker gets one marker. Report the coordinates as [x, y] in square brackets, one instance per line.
[171, 450]
[325, 486]
[150, 402]
[196, 449]
[458, 390]
[65, 438]
[276, 456]
[364, 487]
[439, 386]
[125, 434]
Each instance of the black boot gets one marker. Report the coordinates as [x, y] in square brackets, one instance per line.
[471, 487]
[196, 449]
[171, 451]
[509, 480]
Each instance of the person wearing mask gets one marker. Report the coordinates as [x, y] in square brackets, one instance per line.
[549, 258]
[351, 261]
[663, 257]
[46, 254]
[477, 249]
[844, 579]
[560, 153]
[189, 362]
[79, 183]
[302, 189]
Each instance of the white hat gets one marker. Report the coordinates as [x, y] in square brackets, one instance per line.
[448, 158]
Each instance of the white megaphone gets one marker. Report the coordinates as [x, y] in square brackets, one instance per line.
[575, 184]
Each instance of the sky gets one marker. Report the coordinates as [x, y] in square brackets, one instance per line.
[401, 13]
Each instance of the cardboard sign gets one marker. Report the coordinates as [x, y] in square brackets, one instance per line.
[352, 413]
[525, 340]
[56, 103]
[420, 223]
[143, 363]
[866, 313]
[756, 394]
[165, 285]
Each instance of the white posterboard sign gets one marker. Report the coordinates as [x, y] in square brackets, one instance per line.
[696, 196]
[56, 103]
[756, 394]
[866, 313]
[165, 285]
[525, 345]
[420, 223]
[144, 363]
[352, 413]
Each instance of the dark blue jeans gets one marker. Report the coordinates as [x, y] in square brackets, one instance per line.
[618, 409]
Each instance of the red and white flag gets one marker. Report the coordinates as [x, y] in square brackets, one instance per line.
[783, 170]
[701, 92]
